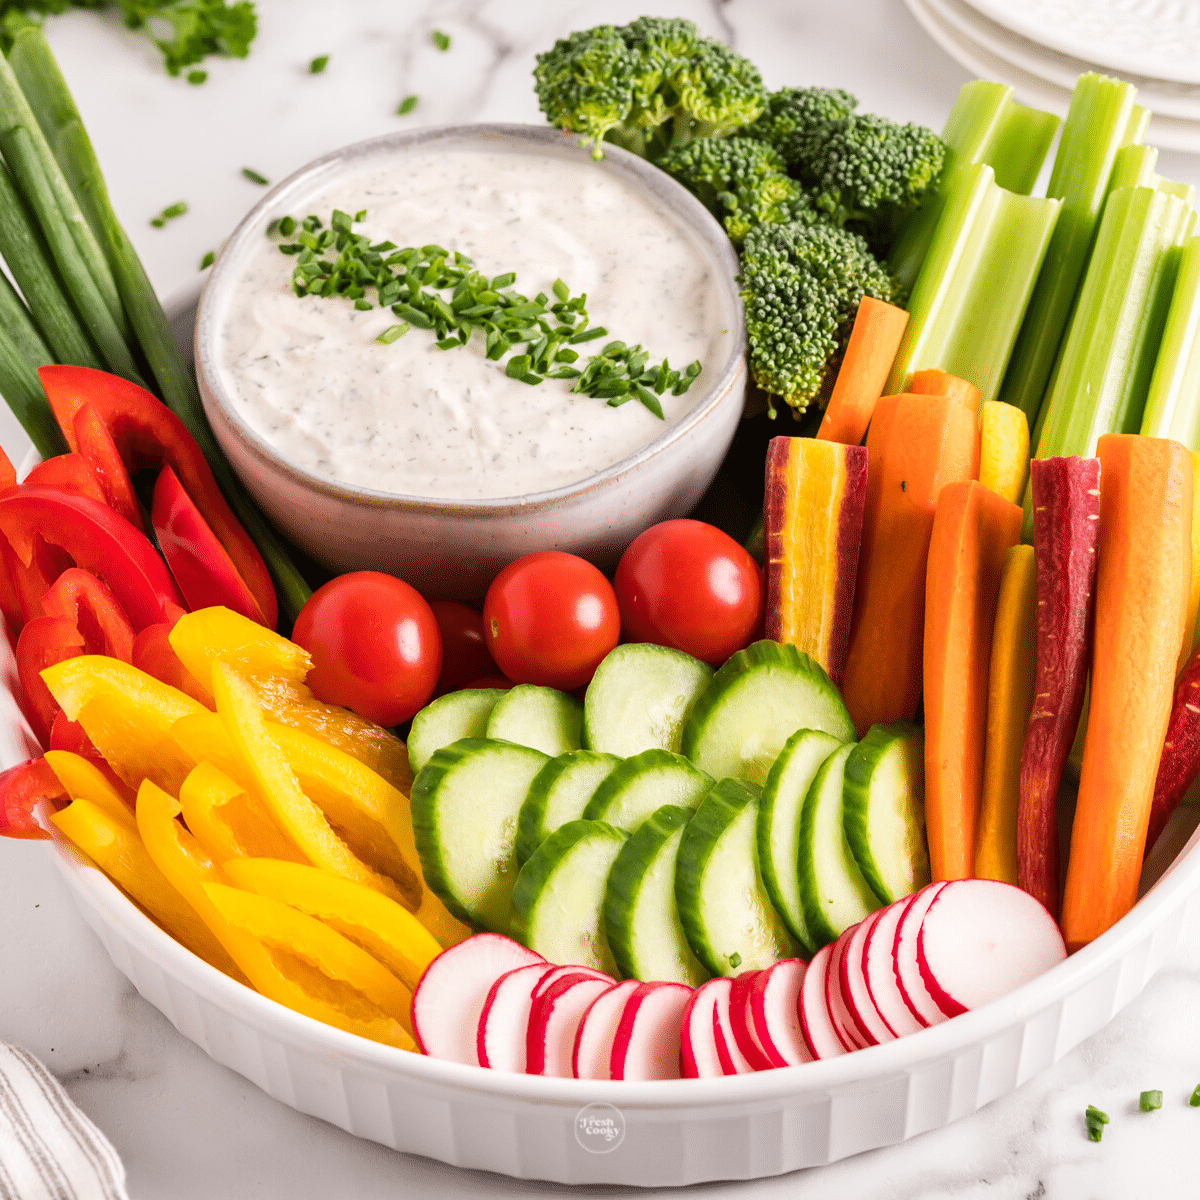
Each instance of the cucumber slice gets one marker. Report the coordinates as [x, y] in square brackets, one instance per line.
[727, 916]
[558, 900]
[559, 793]
[465, 802]
[450, 717]
[643, 783]
[641, 921]
[883, 809]
[778, 830]
[541, 717]
[755, 702]
[639, 697]
[832, 890]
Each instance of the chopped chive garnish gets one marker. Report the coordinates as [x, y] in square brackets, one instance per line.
[195, 77]
[254, 177]
[168, 213]
[392, 332]
[407, 105]
[287, 226]
[1194, 1099]
[1150, 1101]
[208, 260]
[735, 960]
[441, 40]
[318, 64]
[1096, 1121]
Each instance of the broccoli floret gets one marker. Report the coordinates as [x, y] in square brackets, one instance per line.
[801, 286]
[794, 115]
[742, 182]
[646, 86]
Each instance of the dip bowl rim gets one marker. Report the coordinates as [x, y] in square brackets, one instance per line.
[681, 205]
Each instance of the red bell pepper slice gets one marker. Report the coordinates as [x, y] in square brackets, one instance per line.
[21, 787]
[31, 580]
[92, 608]
[8, 473]
[67, 473]
[43, 642]
[100, 452]
[148, 434]
[154, 654]
[99, 540]
[205, 573]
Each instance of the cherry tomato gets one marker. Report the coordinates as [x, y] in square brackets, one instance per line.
[375, 645]
[465, 654]
[550, 618]
[688, 585]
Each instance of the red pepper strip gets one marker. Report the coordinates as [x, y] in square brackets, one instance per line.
[100, 452]
[92, 608]
[99, 540]
[148, 434]
[21, 787]
[8, 473]
[67, 473]
[10, 599]
[43, 642]
[32, 580]
[69, 735]
[154, 654]
[205, 573]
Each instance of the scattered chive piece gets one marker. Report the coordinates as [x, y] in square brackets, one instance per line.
[441, 40]
[171, 211]
[1194, 1099]
[195, 77]
[287, 226]
[392, 332]
[255, 177]
[735, 960]
[407, 105]
[208, 260]
[1150, 1101]
[318, 64]
[1096, 1121]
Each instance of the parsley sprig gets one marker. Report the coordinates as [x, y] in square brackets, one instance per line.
[431, 288]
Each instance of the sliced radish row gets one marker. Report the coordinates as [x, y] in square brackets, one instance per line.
[646, 1045]
[815, 1022]
[904, 956]
[592, 1056]
[698, 1057]
[879, 969]
[742, 1023]
[775, 1012]
[852, 977]
[558, 1007]
[839, 1012]
[504, 1021]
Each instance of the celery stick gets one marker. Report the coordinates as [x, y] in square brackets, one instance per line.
[975, 283]
[15, 110]
[23, 251]
[22, 391]
[1099, 120]
[1135, 166]
[1173, 400]
[985, 126]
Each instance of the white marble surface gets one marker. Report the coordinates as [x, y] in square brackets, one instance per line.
[188, 1129]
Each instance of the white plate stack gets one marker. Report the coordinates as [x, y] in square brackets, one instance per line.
[1041, 46]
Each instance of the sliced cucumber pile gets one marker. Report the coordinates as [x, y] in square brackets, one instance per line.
[639, 698]
[638, 786]
[541, 717]
[559, 793]
[558, 898]
[883, 809]
[456, 715]
[754, 703]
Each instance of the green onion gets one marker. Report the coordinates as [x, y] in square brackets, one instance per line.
[22, 351]
[1096, 1121]
[392, 332]
[1150, 1101]
[441, 40]
[168, 213]
[208, 260]
[196, 77]
[1194, 1098]
[251, 174]
[407, 105]
[735, 960]
[318, 64]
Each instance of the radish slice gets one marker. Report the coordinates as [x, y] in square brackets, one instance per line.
[904, 957]
[868, 1020]
[815, 1022]
[775, 1013]
[982, 939]
[646, 1045]
[879, 968]
[450, 994]
[729, 1054]
[698, 1055]
[504, 1021]
[592, 1054]
[839, 1013]
[558, 1007]
[742, 1024]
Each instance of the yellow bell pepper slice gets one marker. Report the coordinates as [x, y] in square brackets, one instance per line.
[118, 851]
[380, 926]
[342, 984]
[127, 714]
[83, 780]
[299, 818]
[229, 821]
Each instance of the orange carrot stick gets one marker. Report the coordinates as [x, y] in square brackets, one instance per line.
[1143, 584]
[874, 340]
[933, 382]
[915, 446]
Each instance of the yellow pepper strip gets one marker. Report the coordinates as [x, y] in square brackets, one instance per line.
[127, 714]
[343, 985]
[227, 820]
[299, 818]
[1011, 682]
[380, 926]
[118, 851]
[1003, 449]
[83, 780]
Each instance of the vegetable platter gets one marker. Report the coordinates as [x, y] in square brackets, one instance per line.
[1043, 1021]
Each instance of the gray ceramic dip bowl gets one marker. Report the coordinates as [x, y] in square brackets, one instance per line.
[453, 548]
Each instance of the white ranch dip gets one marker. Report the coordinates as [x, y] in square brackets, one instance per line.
[308, 375]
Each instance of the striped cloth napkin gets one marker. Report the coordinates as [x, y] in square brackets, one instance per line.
[48, 1149]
